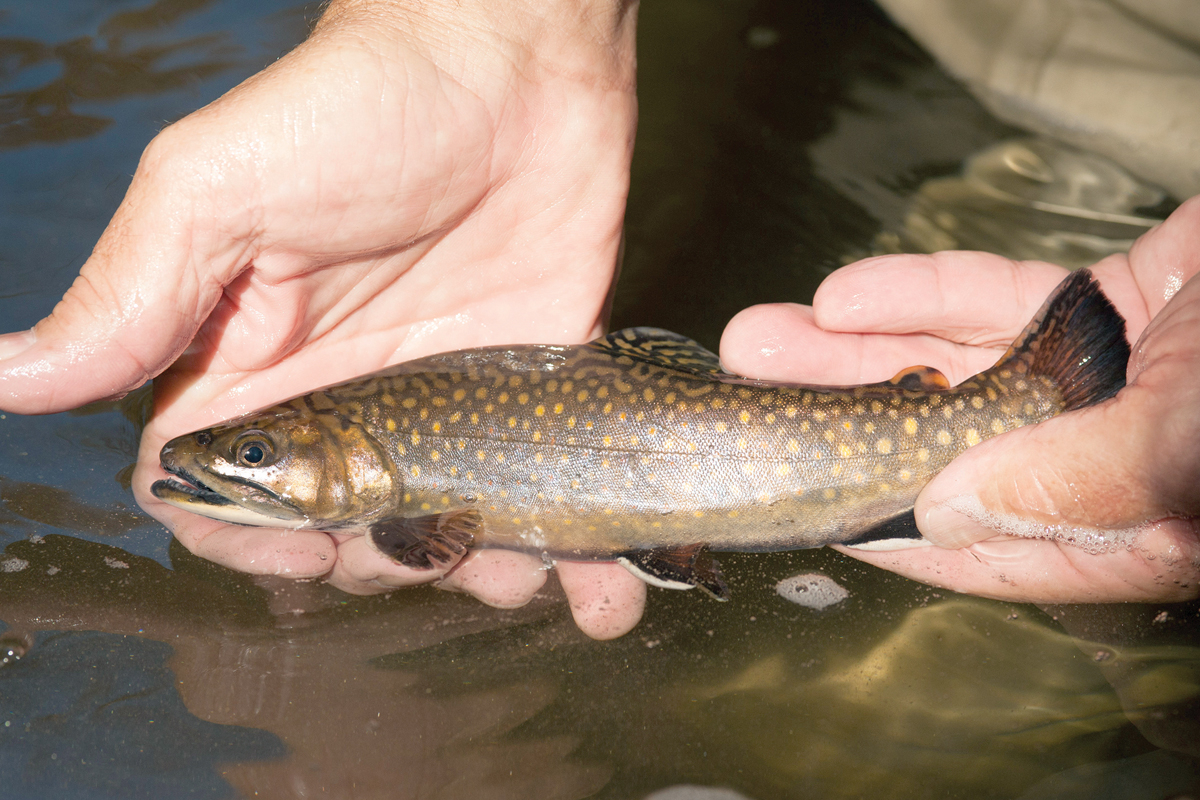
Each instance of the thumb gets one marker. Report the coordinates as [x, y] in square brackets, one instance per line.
[136, 304]
[1076, 479]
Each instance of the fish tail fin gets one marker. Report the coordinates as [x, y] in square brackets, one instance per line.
[1077, 339]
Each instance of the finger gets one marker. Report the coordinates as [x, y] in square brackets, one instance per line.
[138, 300]
[499, 578]
[361, 569]
[972, 298]
[782, 342]
[1159, 566]
[260, 551]
[606, 600]
[1168, 256]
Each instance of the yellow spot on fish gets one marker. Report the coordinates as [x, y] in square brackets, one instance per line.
[977, 402]
[415, 471]
[489, 408]
[769, 418]
[649, 395]
[523, 398]
[721, 427]
[744, 416]
[748, 467]
[388, 400]
[804, 426]
[972, 437]
[425, 506]
[480, 455]
[869, 427]
[460, 395]
[433, 455]
[845, 451]
[883, 446]
[731, 514]
[783, 470]
[455, 417]
[829, 437]
[409, 402]
[793, 446]
[943, 437]
[439, 401]
[481, 393]
[540, 411]
[910, 426]
[474, 418]
[697, 514]
[791, 412]
[512, 422]
[997, 426]
[437, 427]
[416, 437]
[905, 475]
[922, 455]
[829, 494]
[607, 441]
[819, 416]
[391, 425]
[503, 397]
[582, 396]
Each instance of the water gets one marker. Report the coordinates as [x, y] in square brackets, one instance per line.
[777, 141]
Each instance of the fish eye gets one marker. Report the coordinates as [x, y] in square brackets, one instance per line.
[254, 450]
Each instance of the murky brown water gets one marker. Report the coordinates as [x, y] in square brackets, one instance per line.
[778, 140]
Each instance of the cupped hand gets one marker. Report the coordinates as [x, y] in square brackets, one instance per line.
[1121, 476]
[404, 182]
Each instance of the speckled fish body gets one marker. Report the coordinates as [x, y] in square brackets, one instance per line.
[635, 443]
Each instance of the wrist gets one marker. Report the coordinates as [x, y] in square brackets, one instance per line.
[589, 41]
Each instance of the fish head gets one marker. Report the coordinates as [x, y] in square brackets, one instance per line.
[282, 468]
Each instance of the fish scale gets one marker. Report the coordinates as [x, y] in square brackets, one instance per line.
[637, 447]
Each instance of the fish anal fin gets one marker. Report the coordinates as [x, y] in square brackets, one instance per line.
[661, 348]
[894, 533]
[426, 542]
[920, 379]
[683, 567]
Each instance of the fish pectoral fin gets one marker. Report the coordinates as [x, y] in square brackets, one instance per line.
[677, 568]
[894, 533]
[919, 379]
[426, 542]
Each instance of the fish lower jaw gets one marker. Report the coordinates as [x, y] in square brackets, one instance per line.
[208, 503]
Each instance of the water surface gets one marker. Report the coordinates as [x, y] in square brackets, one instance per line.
[778, 140]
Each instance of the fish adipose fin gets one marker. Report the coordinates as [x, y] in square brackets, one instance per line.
[919, 379]
[677, 568]
[660, 348]
[1077, 339]
[426, 542]
[895, 533]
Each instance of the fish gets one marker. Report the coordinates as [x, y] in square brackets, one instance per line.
[636, 448]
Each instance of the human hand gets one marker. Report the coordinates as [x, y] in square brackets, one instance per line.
[1125, 470]
[404, 182]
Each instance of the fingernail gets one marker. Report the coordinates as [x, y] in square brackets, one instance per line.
[951, 529]
[13, 344]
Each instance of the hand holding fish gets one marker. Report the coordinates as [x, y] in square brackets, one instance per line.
[1119, 479]
[402, 183]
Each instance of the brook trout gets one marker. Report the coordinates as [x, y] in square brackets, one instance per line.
[635, 448]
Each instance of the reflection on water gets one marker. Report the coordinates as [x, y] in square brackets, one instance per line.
[777, 137]
[1031, 198]
[52, 80]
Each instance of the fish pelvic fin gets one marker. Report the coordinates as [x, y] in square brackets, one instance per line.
[683, 567]
[426, 542]
[1077, 340]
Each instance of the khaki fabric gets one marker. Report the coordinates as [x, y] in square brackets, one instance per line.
[1116, 77]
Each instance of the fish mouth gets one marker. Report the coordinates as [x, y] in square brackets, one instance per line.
[257, 505]
[187, 490]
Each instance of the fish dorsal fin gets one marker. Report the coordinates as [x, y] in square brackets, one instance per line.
[426, 542]
[660, 348]
[683, 567]
[919, 379]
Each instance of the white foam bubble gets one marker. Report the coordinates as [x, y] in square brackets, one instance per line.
[13, 564]
[1093, 540]
[811, 590]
